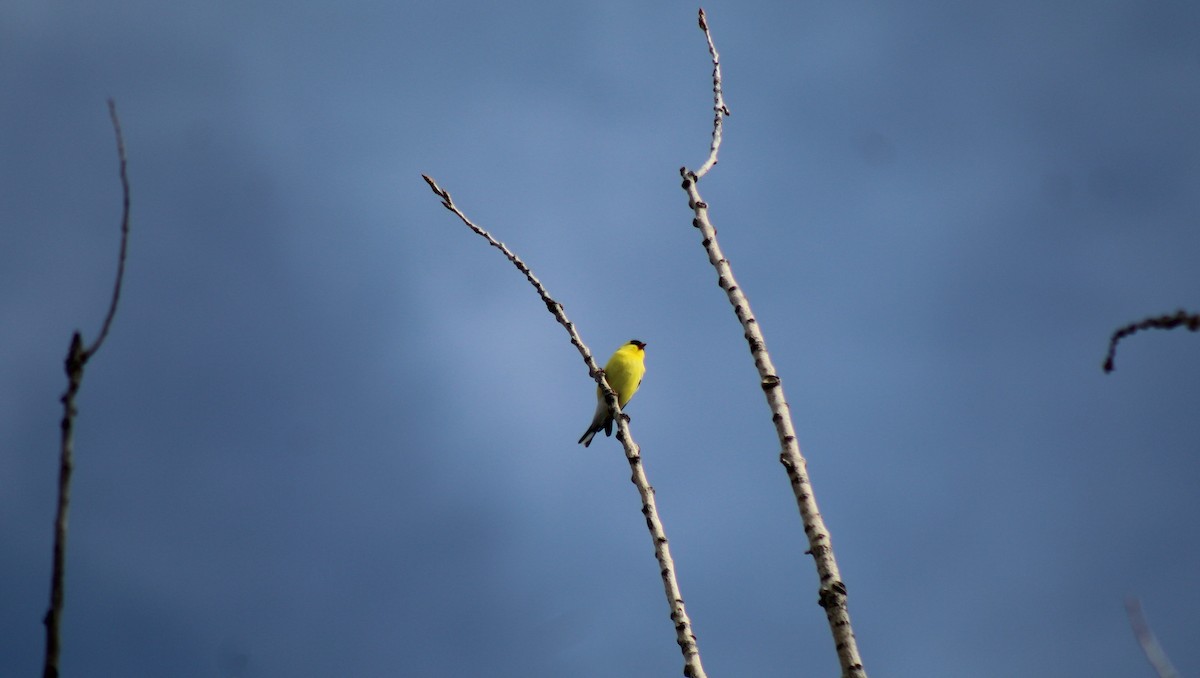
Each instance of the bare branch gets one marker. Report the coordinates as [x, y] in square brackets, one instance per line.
[662, 552]
[1148, 642]
[1180, 318]
[720, 110]
[77, 357]
[832, 591]
[112, 307]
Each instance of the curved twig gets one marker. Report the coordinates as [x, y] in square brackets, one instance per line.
[1169, 321]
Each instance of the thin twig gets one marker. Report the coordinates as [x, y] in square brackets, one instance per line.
[662, 552]
[116, 297]
[1169, 321]
[1147, 640]
[720, 110]
[832, 591]
[77, 357]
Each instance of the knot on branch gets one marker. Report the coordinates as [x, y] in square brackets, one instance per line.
[832, 595]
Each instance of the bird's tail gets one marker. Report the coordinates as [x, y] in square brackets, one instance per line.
[587, 437]
[601, 421]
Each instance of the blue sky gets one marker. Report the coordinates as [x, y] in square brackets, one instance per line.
[333, 433]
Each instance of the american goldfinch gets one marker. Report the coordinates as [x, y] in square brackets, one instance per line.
[624, 373]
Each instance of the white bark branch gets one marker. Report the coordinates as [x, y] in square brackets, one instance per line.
[662, 552]
[720, 110]
[832, 591]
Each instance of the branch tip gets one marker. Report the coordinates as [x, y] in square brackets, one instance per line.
[123, 170]
[1167, 321]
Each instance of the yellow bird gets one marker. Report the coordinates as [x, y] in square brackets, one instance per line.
[624, 373]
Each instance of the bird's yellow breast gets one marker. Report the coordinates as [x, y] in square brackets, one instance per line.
[624, 371]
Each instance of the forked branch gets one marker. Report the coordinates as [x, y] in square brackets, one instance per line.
[77, 357]
[832, 591]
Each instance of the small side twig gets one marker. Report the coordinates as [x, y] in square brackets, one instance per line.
[831, 593]
[1147, 640]
[116, 296]
[77, 357]
[1169, 321]
[684, 636]
[720, 110]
